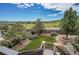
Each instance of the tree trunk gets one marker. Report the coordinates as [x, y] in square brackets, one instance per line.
[67, 36]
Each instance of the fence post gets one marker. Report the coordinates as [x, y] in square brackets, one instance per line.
[43, 42]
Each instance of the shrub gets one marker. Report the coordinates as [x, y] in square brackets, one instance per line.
[76, 40]
[53, 34]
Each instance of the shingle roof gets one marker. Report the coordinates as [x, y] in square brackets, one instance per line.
[8, 51]
[33, 52]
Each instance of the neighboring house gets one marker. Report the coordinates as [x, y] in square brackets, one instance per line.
[57, 30]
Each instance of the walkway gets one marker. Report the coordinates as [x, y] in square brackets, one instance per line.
[48, 52]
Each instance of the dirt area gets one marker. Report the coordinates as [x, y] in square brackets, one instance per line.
[21, 44]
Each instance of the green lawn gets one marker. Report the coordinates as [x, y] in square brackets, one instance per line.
[37, 42]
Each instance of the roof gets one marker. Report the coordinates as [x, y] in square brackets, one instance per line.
[8, 51]
[32, 52]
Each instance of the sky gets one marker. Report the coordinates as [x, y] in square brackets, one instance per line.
[33, 11]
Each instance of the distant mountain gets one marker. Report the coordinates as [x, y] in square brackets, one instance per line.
[13, 22]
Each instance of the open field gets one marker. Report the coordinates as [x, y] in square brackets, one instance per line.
[29, 25]
[51, 25]
[35, 43]
[48, 25]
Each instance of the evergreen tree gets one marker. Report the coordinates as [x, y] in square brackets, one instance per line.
[68, 23]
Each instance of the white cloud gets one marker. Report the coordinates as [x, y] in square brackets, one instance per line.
[60, 7]
[57, 6]
[24, 5]
[55, 14]
[76, 8]
[52, 14]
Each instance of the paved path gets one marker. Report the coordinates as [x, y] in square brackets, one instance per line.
[48, 52]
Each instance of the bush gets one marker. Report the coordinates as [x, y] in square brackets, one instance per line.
[76, 46]
[76, 40]
[53, 34]
[6, 43]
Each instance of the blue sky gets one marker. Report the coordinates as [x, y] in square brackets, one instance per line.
[33, 11]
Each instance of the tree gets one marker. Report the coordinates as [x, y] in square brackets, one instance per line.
[68, 22]
[38, 28]
[77, 26]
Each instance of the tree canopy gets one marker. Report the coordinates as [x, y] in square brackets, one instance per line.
[39, 27]
[69, 22]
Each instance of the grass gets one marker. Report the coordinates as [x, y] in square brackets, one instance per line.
[35, 43]
[51, 24]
